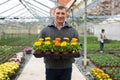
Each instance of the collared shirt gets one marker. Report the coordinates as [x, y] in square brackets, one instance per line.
[59, 28]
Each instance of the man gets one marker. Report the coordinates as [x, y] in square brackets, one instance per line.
[59, 69]
[101, 40]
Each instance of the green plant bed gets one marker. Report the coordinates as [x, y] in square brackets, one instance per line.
[11, 45]
[117, 54]
[113, 72]
[7, 52]
[93, 44]
[104, 60]
[25, 40]
[107, 62]
[2, 57]
[5, 57]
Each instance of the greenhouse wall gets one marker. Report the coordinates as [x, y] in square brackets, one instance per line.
[112, 30]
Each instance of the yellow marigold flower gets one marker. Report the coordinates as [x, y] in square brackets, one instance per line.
[107, 75]
[98, 76]
[73, 43]
[38, 43]
[47, 38]
[109, 79]
[65, 38]
[41, 39]
[64, 43]
[47, 42]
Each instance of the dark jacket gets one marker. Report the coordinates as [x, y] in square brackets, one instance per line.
[53, 32]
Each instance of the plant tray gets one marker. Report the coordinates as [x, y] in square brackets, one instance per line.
[57, 56]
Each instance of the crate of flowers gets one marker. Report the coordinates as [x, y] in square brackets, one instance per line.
[46, 47]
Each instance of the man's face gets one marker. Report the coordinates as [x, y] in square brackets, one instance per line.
[60, 15]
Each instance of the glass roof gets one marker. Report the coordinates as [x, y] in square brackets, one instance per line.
[26, 8]
[41, 8]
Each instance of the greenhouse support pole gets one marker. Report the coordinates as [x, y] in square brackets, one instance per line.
[72, 17]
[85, 36]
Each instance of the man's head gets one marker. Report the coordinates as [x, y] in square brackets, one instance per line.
[60, 14]
[103, 30]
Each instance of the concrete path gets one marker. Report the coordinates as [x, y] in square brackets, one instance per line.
[35, 70]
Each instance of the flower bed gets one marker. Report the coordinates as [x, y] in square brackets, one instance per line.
[8, 69]
[7, 52]
[104, 60]
[108, 63]
[46, 46]
[99, 74]
[113, 72]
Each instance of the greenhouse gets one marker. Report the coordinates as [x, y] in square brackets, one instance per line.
[84, 35]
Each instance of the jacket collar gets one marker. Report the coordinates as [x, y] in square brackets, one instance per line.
[53, 25]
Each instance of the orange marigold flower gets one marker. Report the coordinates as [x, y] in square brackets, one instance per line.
[57, 44]
[57, 39]
[74, 40]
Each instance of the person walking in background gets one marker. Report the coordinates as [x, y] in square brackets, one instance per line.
[101, 39]
[59, 69]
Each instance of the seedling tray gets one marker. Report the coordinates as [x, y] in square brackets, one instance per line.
[57, 56]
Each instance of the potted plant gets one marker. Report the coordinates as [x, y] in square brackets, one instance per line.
[74, 45]
[28, 50]
[56, 46]
[38, 46]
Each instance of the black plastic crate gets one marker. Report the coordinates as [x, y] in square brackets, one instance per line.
[57, 56]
